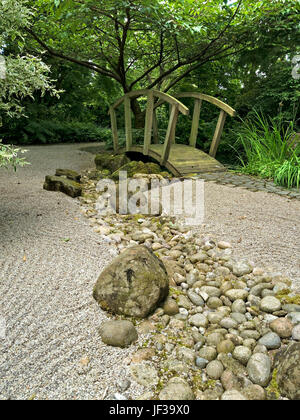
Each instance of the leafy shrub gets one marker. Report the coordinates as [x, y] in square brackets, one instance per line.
[54, 131]
[9, 156]
[269, 149]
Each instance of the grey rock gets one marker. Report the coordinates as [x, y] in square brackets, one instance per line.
[259, 369]
[134, 284]
[294, 317]
[195, 298]
[242, 354]
[270, 340]
[233, 395]
[208, 352]
[235, 294]
[177, 389]
[241, 268]
[144, 374]
[118, 333]
[201, 363]
[270, 304]
[198, 320]
[296, 333]
[291, 307]
[288, 372]
[214, 369]
[239, 306]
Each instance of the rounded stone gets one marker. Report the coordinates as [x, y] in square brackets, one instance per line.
[170, 307]
[242, 354]
[296, 333]
[282, 326]
[214, 369]
[214, 302]
[259, 369]
[211, 291]
[177, 389]
[294, 317]
[233, 395]
[235, 294]
[270, 340]
[198, 320]
[288, 372]
[238, 317]
[215, 317]
[118, 333]
[228, 323]
[239, 306]
[225, 346]
[214, 338]
[254, 393]
[195, 298]
[208, 352]
[134, 284]
[241, 268]
[201, 363]
[270, 304]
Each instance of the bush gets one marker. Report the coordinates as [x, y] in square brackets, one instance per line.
[9, 156]
[269, 150]
[54, 131]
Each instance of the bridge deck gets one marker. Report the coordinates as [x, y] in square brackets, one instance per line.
[183, 159]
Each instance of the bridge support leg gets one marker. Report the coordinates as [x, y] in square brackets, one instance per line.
[170, 131]
[217, 136]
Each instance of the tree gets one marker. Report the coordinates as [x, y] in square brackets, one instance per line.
[21, 74]
[156, 43]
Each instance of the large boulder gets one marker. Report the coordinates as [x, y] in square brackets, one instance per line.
[137, 167]
[62, 184]
[134, 284]
[288, 372]
[111, 161]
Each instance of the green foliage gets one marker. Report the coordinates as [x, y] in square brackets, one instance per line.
[56, 131]
[9, 156]
[269, 149]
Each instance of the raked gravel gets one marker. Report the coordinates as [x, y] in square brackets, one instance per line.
[49, 262]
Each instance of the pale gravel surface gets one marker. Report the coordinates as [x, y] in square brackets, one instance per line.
[51, 318]
[262, 227]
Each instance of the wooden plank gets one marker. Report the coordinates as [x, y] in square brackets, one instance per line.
[230, 111]
[195, 123]
[167, 144]
[171, 100]
[148, 122]
[155, 128]
[114, 129]
[128, 123]
[217, 136]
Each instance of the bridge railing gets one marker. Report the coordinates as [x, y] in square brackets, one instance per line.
[150, 120]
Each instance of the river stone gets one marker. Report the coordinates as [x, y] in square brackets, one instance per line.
[144, 374]
[231, 364]
[214, 369]
[294, 317]
[270, 304]
[270, 340]
[282, 326]
[296, 333]
[195, 298]
[241, 268]
[176, 389]
[118, 333]
[134, 284]
[254, 393]
[214, 302]
[200, 362]
[225, 346]
[259, 369]
[239, 306]
[170, 307]
[208, 352]
[291, 307]
[235, 294]
[214, 339]
[211, 291]
[288, 372]
[228, 323]
[198, 320]
[233, 395]
[242, 354]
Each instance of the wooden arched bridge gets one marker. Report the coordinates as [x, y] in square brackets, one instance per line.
[179, 159]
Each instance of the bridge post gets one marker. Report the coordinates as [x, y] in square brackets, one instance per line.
[128, 123]
[114, 129]
[148, 122]
[170, 131]
[195, 123]
[217, 136]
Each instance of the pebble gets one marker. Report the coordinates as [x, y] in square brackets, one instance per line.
[214, 369]
[259, 369]
[270, 304]
[242, 354]
[282, 326]
[296, 333]
[201, 362]
[198, 320]
[294, 317]
[233, 395]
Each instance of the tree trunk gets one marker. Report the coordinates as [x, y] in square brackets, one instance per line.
[139, 115]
